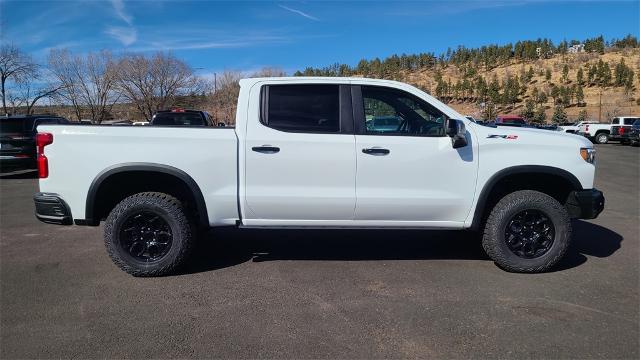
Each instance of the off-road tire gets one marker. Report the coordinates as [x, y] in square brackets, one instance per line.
[172, 211]
[494, 242]
[602, 138]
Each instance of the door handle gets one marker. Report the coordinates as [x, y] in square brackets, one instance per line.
[266, 149]
[376, 151]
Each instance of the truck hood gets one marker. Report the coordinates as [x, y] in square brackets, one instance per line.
[516, 135]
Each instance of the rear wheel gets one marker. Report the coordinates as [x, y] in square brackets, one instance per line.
[148, 234]
[527, 231]
[602, 138]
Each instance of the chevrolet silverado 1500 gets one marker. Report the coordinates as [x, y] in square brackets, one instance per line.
[310, 153]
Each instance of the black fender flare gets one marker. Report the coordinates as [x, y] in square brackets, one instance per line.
[513, 170]
[203, 218]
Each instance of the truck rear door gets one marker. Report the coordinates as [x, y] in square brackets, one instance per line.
[300, 159]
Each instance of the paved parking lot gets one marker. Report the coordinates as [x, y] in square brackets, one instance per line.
[324, 294]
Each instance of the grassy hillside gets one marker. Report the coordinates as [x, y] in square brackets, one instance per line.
[615, 100]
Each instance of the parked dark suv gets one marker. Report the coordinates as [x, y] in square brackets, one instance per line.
[17, 139]
[633, 135]
[621, 127]
[181, 117]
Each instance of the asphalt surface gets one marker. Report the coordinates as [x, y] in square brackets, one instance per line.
[324, 294]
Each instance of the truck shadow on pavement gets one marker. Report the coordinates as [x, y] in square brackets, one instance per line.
[229, 246]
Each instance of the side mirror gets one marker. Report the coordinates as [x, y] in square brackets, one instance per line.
[457, 132]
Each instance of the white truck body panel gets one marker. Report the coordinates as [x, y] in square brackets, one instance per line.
[79, 153]
[316, 179]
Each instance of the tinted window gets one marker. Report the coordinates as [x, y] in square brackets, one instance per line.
[178, 119]
[11, 125]
[615, 121]
[393, 112]
[303, 108]
[629, 121]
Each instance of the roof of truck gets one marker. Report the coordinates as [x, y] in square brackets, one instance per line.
[320, 79]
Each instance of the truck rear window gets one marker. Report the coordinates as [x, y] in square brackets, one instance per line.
[11, 125]
[178, 119]
[303, 108]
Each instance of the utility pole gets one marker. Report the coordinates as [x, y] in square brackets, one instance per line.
[600, 107]
[215, 82]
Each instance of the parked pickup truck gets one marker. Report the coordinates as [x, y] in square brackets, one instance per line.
[303, 156]
[573, 128]
[597, 132]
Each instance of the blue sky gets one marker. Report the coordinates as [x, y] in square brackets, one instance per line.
[241, 35]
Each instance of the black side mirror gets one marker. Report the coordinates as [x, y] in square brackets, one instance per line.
[457, 132]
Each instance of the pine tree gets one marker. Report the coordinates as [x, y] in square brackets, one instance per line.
[565, 73]
[547, 75]
[540, 116]
[530, 74]
[579, 95]
[582, 115]
[559, 115]
[528, 111]
[580, 77]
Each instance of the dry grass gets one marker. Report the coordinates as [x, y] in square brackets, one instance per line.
[614, 100]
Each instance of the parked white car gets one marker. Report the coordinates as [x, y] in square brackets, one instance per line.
[302, 156]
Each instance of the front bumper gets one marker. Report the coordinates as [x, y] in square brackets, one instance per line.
[585, 204]
[51, 209]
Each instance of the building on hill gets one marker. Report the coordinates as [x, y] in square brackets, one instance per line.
[574, 49]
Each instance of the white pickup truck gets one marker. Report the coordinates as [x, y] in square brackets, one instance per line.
[309, 153]
[598, 132]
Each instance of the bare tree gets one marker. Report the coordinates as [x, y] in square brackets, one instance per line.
[15, 65]
[26, 95]
[86, 82]
[153, 83]
[224, 99]
[269, 72]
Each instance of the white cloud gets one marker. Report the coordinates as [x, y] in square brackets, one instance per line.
[118, 6]
[182, 43]
[126, 35]
[304, 14]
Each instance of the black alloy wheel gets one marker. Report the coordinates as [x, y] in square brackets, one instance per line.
[529, 234]
[146, 236]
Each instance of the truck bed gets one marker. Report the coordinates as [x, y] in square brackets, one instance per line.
[207, 155]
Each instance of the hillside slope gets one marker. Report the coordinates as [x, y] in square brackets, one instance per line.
[614, 100]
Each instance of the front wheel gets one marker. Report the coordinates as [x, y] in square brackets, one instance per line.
[527, 231]
[148, 234]
[602, 138]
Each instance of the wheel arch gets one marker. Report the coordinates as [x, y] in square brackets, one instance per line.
[523, 177]
[165, 176]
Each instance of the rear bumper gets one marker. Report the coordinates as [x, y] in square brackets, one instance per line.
[51, 209]
[585, 204]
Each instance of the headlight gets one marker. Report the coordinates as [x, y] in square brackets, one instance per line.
[588, 154]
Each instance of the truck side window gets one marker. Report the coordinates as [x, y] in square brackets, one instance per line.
[302, 108]
[615, 121]
[393, 112]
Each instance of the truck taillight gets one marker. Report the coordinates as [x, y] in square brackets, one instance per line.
[42, 140]
[621, 131]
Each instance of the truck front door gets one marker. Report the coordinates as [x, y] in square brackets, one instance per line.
[407, 170]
